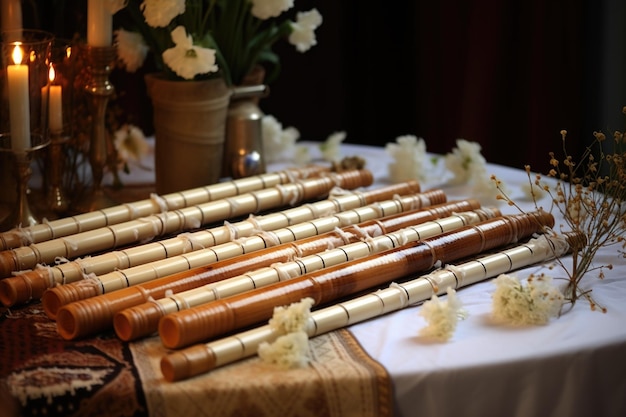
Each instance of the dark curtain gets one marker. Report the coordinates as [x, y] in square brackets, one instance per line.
[508, 75]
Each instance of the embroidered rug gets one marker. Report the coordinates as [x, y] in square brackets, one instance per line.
[103, 376]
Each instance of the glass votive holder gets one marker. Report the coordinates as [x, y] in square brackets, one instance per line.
[24, 62]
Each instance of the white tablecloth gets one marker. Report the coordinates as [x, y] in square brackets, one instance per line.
[574, 366]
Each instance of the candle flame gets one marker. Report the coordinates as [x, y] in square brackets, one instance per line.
[17, 55]
[51, 74]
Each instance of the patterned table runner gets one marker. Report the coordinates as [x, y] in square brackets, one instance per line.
[47, 375]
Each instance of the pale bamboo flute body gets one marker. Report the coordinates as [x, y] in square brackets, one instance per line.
[218, 317]
[66, 226]
[95, 314]
[79, 269]
[19, 289]
[169, 222]
[270, 229]
[202, 358]
[143, 320]
[82, 317]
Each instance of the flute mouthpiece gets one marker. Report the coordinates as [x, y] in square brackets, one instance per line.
[186, 363]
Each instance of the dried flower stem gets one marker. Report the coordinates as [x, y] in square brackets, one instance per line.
[590, 195]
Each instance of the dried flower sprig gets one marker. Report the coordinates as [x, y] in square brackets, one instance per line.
[590, 195]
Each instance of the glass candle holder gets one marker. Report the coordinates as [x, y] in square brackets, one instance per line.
[59, 106]
[98, 89]
[24, 61]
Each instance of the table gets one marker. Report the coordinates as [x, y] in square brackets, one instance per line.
[572, 367]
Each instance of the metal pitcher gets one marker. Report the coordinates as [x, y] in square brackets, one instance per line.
[243, 147]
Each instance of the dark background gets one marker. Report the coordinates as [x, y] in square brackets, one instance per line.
[506, 74]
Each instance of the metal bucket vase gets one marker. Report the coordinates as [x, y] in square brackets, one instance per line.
[189, 130]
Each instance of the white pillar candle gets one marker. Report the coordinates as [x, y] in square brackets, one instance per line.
[19, 107]
[12, 18]
[99, 23]
[55, 108]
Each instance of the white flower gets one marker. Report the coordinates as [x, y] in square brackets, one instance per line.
[293, 318]
[276, 140]
[302, 35]
[331, 147]
[159, 13]
[264, 9]
[130, 143]
[533, 191]
[302, 156]
[516, 304]
[465, 162]
[484, 189]
[291, 349]
[131, 48]
[408, 154]
[186, 59]
[577, 208]
[442, 316]
[287, 351]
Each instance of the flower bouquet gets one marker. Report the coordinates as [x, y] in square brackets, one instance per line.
[199, 39]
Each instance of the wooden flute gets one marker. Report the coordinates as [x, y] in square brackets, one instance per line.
[33, 284]
[95, 314]
[18, 289]
[216, 318]
[143, 320]
[169, 222]
[156, 257]
[202, 358]
[66, 226]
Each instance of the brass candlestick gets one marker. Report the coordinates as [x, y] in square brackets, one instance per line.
[99, 63]
[21, 215]
[57, 199]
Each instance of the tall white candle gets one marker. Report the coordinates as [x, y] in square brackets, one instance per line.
[19, 106]
[55, 108]
[99, 23]
[12, 18]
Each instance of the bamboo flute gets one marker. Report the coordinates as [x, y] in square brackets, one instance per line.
[218, 317]
[169, 222]
[202, 358]
[23, 236]
[30, 285]
[296, 224]
[77, 270]
[55, 298]
[95, 314]
[143, 320]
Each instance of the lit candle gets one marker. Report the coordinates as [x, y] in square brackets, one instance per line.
[99, 23]
[19, 107]
[55, 107]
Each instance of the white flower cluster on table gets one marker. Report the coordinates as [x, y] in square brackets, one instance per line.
[442, 316]
[464, 165]
[277, 142]
[409, 159]
[291, 349]
[280, 144]
[131, 145]
[531, 304]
